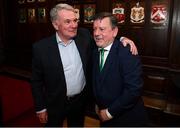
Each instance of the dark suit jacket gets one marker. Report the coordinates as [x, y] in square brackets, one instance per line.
[48, 79]
[118, 86]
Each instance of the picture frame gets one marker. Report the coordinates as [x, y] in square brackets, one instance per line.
[137, 13]
[42, 16]
[30, 1]
[31, 15]
[21, 1]
[119, 10]
[61, 0]
[77, 8]
[41, 0]
[89, 12]
[89, 0]
[22, 15]
[158, 14]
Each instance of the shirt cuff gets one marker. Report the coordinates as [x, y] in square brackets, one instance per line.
[121, 38]
[108, 114]
[41, 111]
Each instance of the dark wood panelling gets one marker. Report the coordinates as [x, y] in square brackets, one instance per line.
[175, 40]
[158, 45]
[2, 30]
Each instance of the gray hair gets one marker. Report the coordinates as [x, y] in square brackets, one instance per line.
[59, 7]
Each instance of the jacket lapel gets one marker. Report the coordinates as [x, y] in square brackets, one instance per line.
[79, 44]
[54, 57]
[109, 60]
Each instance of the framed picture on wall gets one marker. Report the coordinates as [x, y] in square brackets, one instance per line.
[41, 0]
[31, 15]
[119, 10]
[77, 8]
[89, 12]
[89, 0]
[159, 13]
[30, 1]
[61, 0]
[21, 1]
[137, 15]
[42, 18]
[22, 15]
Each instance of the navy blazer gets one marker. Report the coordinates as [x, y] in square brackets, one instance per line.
[118, 86]
[48, 79]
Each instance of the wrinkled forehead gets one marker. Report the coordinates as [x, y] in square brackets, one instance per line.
[67, 14]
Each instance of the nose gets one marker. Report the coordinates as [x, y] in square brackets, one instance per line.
[96, 32]
[74, 24]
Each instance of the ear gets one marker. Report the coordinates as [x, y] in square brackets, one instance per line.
[115, 31]
[55, 25]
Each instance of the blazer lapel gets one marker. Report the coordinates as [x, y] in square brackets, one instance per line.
[109, 60]
[79, 44]
[55, 55]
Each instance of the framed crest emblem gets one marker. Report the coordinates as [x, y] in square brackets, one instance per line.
[21, 1]
[118, 10]
[137, 15]
[30, 1]
[22, 15]
[31, 15]
[42, 18]
[159, 14]
[77, 10]
[89, 12]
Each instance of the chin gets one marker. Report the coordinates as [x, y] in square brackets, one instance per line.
[99, 43]
[73, 35]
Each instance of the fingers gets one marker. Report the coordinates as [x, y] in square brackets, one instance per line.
[103, 116]
[133, 48]
[43, 117]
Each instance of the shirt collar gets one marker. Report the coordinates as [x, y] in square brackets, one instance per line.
[107, 48]
[58, 39]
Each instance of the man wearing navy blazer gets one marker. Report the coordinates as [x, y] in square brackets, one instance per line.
[118, 85]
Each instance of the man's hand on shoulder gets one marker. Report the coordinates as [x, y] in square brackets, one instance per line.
[127, 41]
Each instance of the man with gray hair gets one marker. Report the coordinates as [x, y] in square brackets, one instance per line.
[61, 70]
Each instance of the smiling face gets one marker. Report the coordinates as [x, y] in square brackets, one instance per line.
[103, 32]
[66, 24]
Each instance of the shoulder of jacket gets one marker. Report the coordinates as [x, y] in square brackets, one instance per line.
[44, 40]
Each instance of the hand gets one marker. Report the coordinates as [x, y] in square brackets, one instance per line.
[133, 47]
[43, 117]
[103, 116]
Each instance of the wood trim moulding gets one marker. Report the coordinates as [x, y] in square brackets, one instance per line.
[155, 61]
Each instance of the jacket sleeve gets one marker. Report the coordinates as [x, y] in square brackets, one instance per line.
[132, 81]
[37, 79]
